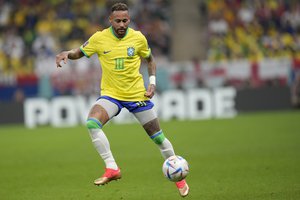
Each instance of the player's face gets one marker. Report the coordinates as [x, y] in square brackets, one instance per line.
[119, 21]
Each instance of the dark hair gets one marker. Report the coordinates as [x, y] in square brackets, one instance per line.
[119, 7]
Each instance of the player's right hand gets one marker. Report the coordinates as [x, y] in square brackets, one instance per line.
[150, 91]
[63, 56]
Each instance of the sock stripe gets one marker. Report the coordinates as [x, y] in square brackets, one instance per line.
[156, 134]
[96, 121]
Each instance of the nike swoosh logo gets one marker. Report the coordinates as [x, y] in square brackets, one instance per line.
[105, 52]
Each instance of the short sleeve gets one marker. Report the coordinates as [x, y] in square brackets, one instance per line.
[88, 48]
[145, 51]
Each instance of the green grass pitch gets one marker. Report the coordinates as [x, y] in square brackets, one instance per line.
[253, 156]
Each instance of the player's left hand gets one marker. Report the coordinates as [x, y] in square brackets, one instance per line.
[150, 91]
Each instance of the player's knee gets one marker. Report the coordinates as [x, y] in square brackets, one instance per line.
[158, 137]
[93, 123]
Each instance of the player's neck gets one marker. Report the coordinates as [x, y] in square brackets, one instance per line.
[117, 35]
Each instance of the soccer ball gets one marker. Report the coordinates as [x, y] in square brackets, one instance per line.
[175, 168]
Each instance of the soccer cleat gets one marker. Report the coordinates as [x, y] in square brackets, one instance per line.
[183, 188]
[109, 175]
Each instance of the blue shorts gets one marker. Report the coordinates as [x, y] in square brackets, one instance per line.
[131, 106]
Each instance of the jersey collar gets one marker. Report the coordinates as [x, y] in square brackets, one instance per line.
[112, 31]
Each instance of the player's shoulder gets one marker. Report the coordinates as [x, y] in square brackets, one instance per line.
[100, 33]
[136, 33]
[100, 36]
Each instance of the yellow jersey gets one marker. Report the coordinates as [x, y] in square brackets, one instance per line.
[120, 59]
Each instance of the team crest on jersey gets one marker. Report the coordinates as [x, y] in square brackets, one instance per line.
[130, 51]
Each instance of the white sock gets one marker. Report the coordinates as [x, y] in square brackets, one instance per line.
[102, 146]
[166, 148]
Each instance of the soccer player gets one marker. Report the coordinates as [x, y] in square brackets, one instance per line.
[119, 49]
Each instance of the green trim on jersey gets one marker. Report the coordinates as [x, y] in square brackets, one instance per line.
[112, 31]
[83, 52]
[149, 54]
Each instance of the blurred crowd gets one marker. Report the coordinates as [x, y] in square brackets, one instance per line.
[256, 30]
[253, 29]
[32, 32]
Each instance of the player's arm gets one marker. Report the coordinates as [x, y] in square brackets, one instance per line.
[65, 55]
[152, 78]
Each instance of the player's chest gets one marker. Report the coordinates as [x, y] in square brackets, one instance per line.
[118, 49]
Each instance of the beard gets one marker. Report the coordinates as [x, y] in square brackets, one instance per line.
[120, 32]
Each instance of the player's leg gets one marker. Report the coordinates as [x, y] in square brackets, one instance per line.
[102, 111]
[151, 125]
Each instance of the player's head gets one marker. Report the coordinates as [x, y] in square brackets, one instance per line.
[119, 19]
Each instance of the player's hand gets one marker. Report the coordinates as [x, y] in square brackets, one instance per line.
[150, 91]
[63, 56]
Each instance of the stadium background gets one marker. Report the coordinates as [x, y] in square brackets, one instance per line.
[245, 44]
[250, 46]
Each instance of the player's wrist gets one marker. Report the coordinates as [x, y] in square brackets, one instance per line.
[152, 80]
[67, 53]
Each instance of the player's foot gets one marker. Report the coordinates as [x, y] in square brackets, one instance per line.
[109, 175]
[183, 188]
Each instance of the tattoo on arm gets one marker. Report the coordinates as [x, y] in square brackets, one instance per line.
[75, 54]
[151, 65]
